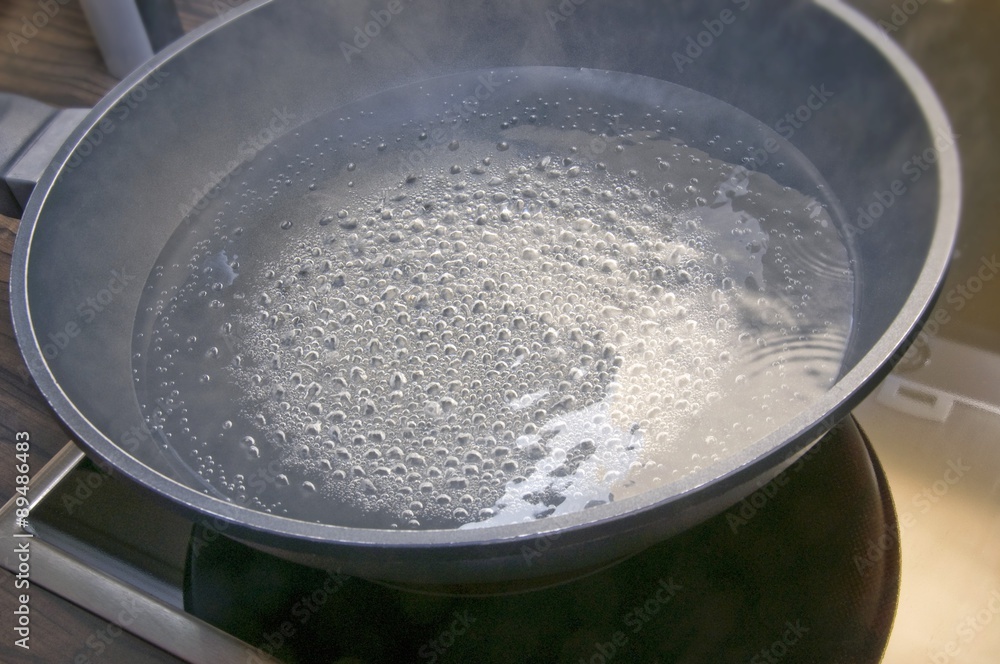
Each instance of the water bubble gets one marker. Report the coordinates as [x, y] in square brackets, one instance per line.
[517, 343]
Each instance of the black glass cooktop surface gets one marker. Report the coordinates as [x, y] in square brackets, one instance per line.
[804, 570]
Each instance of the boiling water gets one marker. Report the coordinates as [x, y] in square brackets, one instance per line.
[432, 310]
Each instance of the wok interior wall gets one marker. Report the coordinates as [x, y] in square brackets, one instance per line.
[156, 153]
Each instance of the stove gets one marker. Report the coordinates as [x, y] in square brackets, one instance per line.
[806, 568]
[818, 565]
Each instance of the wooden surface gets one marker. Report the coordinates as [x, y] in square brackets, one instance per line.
[954, 42]
[62, 66]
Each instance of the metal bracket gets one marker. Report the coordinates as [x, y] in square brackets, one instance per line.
[164, 626]
[26, 170]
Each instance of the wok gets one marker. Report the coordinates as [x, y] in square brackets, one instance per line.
[212, 111]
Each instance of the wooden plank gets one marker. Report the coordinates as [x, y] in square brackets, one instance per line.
[60, 65]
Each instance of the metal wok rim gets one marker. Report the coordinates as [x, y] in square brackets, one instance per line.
[717, 480]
